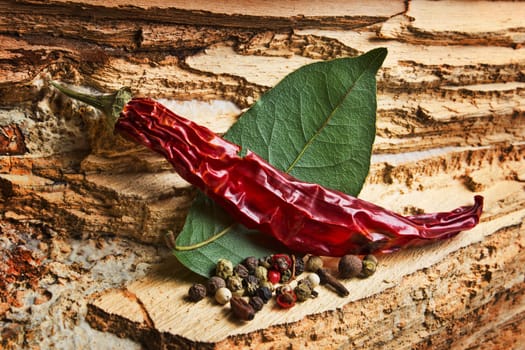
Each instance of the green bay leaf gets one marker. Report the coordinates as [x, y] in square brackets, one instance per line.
[317, 124]
[206, 219]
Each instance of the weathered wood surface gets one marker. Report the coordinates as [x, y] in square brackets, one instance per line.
[450, 125]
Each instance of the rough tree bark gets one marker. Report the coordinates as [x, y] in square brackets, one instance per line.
[82, 212]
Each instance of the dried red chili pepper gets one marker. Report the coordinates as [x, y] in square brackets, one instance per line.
[305, 217]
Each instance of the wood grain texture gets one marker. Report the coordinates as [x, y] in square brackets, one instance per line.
[450, 124]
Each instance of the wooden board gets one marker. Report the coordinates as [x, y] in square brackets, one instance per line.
[156, 305]
[450, 124]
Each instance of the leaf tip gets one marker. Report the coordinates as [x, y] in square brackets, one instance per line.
[379, 54]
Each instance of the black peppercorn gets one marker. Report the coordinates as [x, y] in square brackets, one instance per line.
[197, 292]
[299, 265]
[257, 303]
[264, 293]
[251, 283]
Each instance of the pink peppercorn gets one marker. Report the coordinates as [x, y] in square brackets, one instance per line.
[286, 300]
[274, 276]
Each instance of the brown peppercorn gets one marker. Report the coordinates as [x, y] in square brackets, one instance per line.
[241, 271]
[350, 266]
[241, 309]
[369, 266]
[313, 263]
[214, 283]
[251, 263]
[197, 292]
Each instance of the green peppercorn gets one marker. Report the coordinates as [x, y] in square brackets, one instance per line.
[286, 276]
[313, 263]
[303, 291]
[266, 261]
[234, 283]
[224, 268]
[369, 266]
[267, 284]
[305, 281]
[261, 273]
[239, 293]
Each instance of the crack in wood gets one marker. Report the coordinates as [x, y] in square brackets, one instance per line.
[144, 310]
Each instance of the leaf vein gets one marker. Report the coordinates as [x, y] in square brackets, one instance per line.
[327, 120]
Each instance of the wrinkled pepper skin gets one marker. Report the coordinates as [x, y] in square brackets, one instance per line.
[305, 217]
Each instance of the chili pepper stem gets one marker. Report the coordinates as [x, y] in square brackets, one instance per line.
[110, 104]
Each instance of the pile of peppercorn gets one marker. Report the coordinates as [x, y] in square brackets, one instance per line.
[251, 284]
